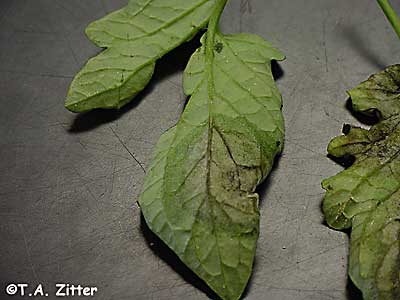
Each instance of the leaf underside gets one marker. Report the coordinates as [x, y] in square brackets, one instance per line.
[199, 195]
[135, 36]
[366, 196]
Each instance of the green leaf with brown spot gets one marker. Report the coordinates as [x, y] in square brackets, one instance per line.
[366, 196]
[199, 195]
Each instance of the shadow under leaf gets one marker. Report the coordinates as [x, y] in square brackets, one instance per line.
[371, 118]
[345, 161]
[277, 71]
[352, 292]
[264, 187]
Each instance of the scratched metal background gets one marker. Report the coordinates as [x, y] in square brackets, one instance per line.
[69, 183]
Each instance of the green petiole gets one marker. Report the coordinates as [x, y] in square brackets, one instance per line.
[213, 28]
[211, 31]
[391, 15]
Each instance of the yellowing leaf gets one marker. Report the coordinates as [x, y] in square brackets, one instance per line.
[366, 196]
[199, 195]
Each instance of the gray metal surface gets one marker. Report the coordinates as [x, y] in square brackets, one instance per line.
[69, 183]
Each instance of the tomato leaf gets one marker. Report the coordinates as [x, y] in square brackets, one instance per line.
[199, 195]
[135, 36]
[366, 196]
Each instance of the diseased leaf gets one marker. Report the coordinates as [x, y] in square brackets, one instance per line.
[135, 36]
[366, 196]
[199, 195]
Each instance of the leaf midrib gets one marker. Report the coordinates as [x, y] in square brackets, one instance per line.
[209, 73]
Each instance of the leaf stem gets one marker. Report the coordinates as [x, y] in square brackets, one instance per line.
[212, 29]
[209, 53]
[214, 19]
[391, 15]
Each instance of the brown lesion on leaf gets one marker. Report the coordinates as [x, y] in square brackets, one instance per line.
[377, 153]
[248, 176]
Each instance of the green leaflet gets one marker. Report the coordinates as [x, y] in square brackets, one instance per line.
[199, 195]
[366, 196]
[135, 36]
